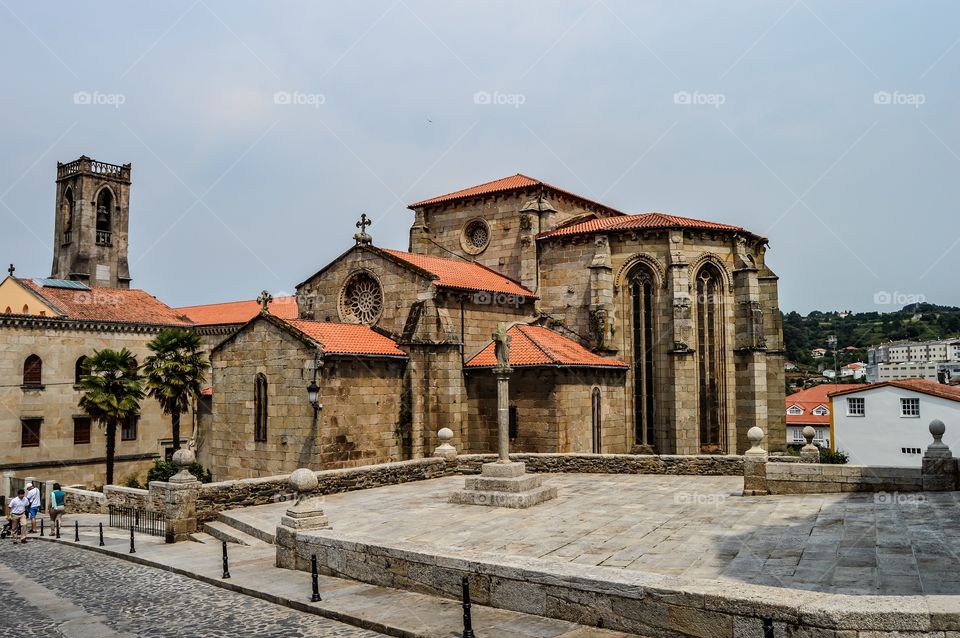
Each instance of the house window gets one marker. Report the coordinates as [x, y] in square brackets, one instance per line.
[30, 431]
[33, 371]
[260, 408]
[798, 436]
[821, 411]
[856, 406]
[79, 370]
[910, 407]
[128, 431]
[794, 410]
[81, 430]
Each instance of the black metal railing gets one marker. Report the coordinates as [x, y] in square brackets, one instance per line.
[143, 521]
[103, 238]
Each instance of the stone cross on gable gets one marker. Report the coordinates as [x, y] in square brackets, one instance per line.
[264, 300]
[11, 270]
[362, 238]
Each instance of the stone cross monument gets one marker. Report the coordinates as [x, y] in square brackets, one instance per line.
[504, 483]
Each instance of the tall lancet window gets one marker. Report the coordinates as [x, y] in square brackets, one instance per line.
[711, 370]
[104, 217]
[642, 301]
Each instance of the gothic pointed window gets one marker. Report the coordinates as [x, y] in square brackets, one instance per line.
[711, 360]
[642, 302]
[596, 421]
[260, 407]
[67, 215]
[80, 369]
[361, 299]
[104, 217]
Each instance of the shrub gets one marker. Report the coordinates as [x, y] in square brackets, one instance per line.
[833, 458]
[163, 470]
[131, 481]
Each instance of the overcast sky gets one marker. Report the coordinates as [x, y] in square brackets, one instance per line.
[258, 132]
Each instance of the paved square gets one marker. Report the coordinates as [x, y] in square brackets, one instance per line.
[691, 526]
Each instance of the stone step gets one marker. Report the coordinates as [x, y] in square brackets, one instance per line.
[251, 524]
[224, 532]
[517, 500]
[202, 537]
[518, 484]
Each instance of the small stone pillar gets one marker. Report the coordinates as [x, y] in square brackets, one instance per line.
[5, 482]
[179, 498]
[939, 469]
[809, 453]
[755, 465]
[445, 450]
[305, 514]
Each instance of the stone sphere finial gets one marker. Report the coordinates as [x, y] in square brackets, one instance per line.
[755, 434]
[808, 433]
[303, 480]
[184, 457]
[445, 435]
[937, 428]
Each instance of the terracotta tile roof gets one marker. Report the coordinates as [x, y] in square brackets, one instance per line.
[238, 311]
[538, 346]
[810, 398]
[462, 275]
[347, 338]
[924, 386]
[502, 185]
[119, 305]
[640, 222]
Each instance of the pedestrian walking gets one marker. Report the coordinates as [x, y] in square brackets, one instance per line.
[19, 506]
[33, 499]
[57, 506]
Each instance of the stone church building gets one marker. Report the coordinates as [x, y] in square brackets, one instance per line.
[647, 333]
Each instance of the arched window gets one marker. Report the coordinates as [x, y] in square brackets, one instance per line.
[26, 309]
[9, 310]
[711, 362]
[260, 407]
[104, 216]
[596, 421]
[80, 369]
[67, 213]
[33, 371]
[641, 284]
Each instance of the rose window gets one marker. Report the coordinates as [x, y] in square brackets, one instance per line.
[362, 299]
[476, 236]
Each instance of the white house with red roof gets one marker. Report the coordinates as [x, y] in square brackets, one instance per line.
[888, 423]
[811, 406]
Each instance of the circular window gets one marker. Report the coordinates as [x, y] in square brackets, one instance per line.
[475, 237]
[361, 300]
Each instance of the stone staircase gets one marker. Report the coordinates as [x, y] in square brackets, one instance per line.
[253, 526]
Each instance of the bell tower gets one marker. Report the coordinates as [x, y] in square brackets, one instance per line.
[90, 232]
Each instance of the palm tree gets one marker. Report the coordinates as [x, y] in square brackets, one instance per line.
[174, 373]
[111, 394]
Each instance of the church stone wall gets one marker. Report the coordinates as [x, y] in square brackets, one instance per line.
[479, 320]
[360, 398]
[59, 345]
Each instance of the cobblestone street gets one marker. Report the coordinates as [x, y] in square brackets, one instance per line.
[51, 590]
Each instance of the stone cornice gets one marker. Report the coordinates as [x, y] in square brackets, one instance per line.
[24, 321]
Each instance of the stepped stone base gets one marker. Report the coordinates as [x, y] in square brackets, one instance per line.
[504, 485]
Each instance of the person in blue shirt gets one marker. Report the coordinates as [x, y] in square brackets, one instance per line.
[57, 506]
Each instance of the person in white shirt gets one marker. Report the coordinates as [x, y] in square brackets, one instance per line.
[33, 498]
[18, 514]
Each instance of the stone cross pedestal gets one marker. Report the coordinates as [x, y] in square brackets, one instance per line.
[306, 513]
[504, 483]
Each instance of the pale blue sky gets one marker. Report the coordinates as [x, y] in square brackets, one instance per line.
[234, 193]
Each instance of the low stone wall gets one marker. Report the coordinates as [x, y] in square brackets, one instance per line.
[226, 495]
[78, 501]
[703, 465]
[127, 497]
[816, 478]
[625, 600]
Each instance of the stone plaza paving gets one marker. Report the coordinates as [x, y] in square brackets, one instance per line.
[53, 590]
[688, 526]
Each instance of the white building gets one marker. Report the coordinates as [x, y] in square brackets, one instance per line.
[887, 423]
[812, 407]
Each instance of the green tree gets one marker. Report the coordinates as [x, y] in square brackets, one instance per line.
[174, 373]
[112, 391]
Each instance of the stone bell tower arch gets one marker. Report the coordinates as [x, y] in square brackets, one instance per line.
[92, 217]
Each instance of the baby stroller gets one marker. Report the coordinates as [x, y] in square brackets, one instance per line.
[7, 528]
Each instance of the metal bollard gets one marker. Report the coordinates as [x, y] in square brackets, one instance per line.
[76, 531]
[467, 618]
[315, 578]
[132, 550]
[58, 529]
[768, 627]
[226, 566]
[41, 527]
[101, 534]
